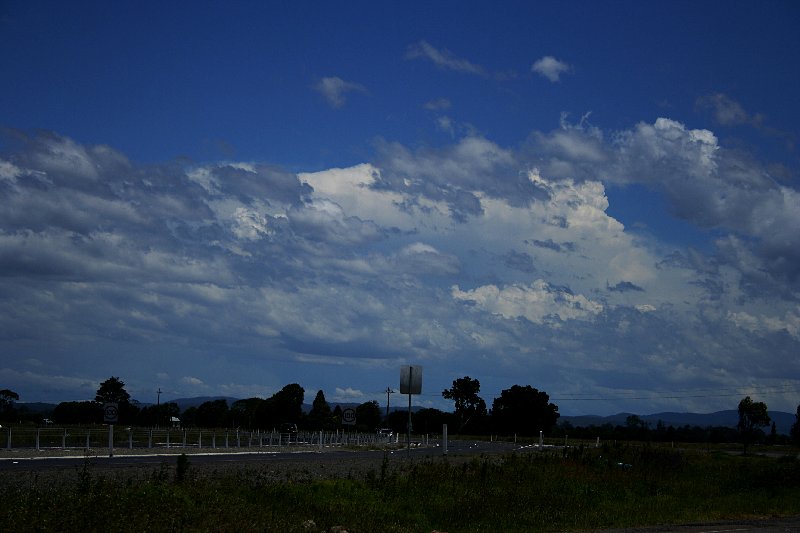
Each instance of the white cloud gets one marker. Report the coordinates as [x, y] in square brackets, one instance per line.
[9, 171]
[470, 255]
[443, 58]
[440, 104]
[768, 323]
[335, 90]
[538, 302]
[348, 394]
[551, 68]
[727, 111]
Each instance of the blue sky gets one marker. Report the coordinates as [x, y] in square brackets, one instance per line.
[220, 198]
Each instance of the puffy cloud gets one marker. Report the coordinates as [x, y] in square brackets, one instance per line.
[471, 255]
[714, 188]
[538, 302]
[335, 90]
[348, 394]
[551, 68]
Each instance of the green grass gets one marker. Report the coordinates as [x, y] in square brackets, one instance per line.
[622, 486]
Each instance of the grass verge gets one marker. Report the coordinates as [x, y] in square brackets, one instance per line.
[578, 489]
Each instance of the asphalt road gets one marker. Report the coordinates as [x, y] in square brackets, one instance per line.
[125, 458]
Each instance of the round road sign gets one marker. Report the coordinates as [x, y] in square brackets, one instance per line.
[110, 412]
[349, 417]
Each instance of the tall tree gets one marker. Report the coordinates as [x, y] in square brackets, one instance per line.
[795, 431]
[158, 415]
[289, 403]
[368, 416]
[752, 416]
[285, 406]
[468, 405]
[113, 390]
[320, 415]
[7, 399]
[77, 413]
[524, 411]
[244, 413]
[212, 414]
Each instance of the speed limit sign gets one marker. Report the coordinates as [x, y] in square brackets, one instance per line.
[110, 412]
[349, 417]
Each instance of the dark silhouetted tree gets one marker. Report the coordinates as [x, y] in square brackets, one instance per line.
[320, 415]
[752, 416]
[212, 414]
[289, 403]
[368, 416]
[113, 390]
[7, 399]
[285, 406]
[430, 420]
[336, 416]
[243, 413]
[158, 415]
[523, 411]
[795, 431]
[469, 407]
[78, 413]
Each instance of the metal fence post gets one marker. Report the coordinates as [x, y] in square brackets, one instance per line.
[37, 439]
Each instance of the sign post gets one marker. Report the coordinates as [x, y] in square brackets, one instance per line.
[110, 416]
[410, 383]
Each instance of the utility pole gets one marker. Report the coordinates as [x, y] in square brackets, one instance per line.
[388, 392]
[158, 398]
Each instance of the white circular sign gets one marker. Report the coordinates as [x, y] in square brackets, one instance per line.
[110, 412]
[349, 417]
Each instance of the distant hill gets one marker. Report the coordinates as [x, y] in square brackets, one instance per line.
[729, 418]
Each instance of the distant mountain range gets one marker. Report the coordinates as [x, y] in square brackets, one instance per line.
[729, 418]
[783, 421]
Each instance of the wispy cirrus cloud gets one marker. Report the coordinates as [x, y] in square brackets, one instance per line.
[443, 58]
[335, 90]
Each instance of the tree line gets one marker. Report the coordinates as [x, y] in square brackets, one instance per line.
[519, 410]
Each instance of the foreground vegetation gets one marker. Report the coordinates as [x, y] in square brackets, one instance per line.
[572, 490]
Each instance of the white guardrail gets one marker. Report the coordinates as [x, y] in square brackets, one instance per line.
[78, 437]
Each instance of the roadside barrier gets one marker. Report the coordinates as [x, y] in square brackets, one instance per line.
[97, 437]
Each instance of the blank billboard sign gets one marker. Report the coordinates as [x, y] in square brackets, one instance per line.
[411, 379]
